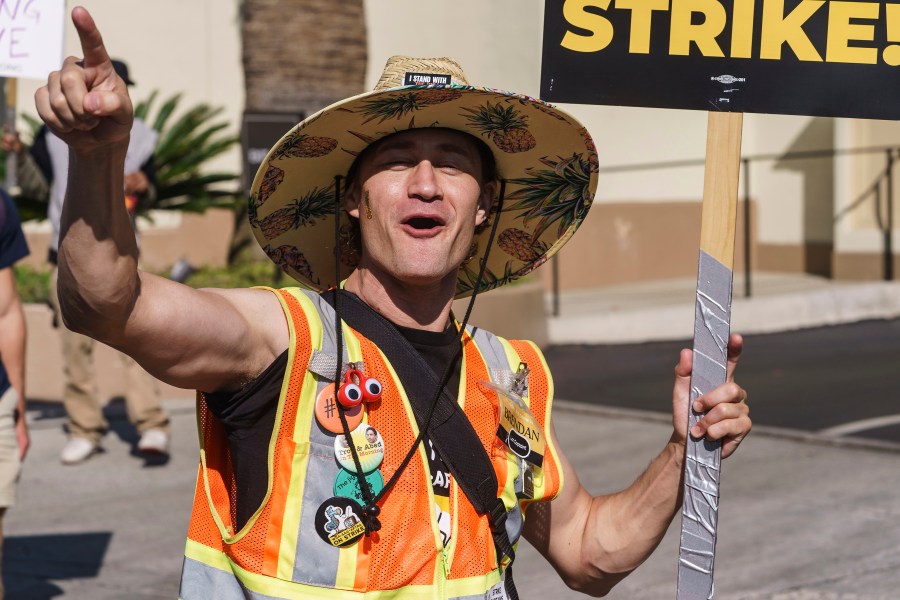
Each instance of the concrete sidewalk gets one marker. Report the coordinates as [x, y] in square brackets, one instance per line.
[799, 520]
[664, 310]
[802, 517]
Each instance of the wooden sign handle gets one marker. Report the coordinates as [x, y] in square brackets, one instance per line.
[712, 324]
[720, 186]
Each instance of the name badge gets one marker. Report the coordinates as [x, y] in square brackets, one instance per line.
[518, 429]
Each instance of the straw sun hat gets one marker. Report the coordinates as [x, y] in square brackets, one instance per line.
[547, 159]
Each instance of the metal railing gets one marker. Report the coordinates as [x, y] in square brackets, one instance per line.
[884, 217]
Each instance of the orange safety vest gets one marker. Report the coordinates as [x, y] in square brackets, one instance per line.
[278, 553]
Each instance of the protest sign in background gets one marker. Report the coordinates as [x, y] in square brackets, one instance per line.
[803, 57]
[31, 37]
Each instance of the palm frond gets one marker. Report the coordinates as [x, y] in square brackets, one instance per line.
[34, 124]
[559, 193]
[165, 112]
[187, 142]
[143, 107]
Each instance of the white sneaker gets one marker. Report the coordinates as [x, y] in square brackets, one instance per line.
[78, 450]
[154, 441]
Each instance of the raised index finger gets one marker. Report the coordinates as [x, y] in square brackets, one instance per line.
[735, 347]
[92, 48]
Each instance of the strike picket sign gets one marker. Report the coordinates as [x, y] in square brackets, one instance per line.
[801, 57]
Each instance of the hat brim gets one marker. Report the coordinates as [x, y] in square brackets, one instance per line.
[547, 158]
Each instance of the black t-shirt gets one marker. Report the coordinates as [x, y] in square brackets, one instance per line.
[248, 417]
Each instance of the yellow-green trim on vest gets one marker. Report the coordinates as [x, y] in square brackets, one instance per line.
[305, 406]
[294, 575]
[207, 565]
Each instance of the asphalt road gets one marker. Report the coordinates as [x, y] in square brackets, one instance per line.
[843, 379]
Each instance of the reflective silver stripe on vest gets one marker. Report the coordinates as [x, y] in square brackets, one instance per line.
[202, 582]
[316, 562]
[491, 348]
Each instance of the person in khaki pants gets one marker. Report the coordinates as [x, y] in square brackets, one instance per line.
[42, 172]
[86, 422]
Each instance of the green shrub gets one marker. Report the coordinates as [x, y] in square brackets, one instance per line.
[186, 144]
[33, 284]
[239, 275]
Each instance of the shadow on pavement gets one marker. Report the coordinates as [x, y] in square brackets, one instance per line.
[31, 563]
[41, 409]
[117, 417]
[115, 413]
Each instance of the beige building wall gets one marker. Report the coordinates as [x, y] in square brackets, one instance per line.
[648, 214]
[859, 243]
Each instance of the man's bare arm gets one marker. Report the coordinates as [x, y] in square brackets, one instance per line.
[594, 542]
[204, 339]
[12, 324]
[12, 348]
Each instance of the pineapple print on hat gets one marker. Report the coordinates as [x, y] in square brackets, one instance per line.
[539, 105]
[300, 145]
[395, 106]
[561, 193]
[468, 277]
[271, 180]
[290, 258]
[506, 127]
[521, 244]
[302, 211]
[434, 96]
[592, 149]
[545, 156]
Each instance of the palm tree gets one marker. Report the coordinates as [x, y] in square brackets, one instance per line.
[299, 56]
[185, 145]
[302, 55]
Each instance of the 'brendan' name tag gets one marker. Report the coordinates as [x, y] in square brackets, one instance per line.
[520, 431]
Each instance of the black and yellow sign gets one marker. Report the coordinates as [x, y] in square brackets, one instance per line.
[805, 57]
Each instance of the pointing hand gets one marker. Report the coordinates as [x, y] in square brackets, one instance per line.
[86, 104]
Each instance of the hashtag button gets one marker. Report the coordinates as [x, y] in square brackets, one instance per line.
[327, 412]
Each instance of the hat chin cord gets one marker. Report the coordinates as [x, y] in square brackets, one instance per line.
[371, 511]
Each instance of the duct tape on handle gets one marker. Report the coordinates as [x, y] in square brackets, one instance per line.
[699, 513]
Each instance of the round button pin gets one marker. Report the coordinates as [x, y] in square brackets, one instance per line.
[346, 485]
[369, 449]
[339, 521]
[327, 412]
